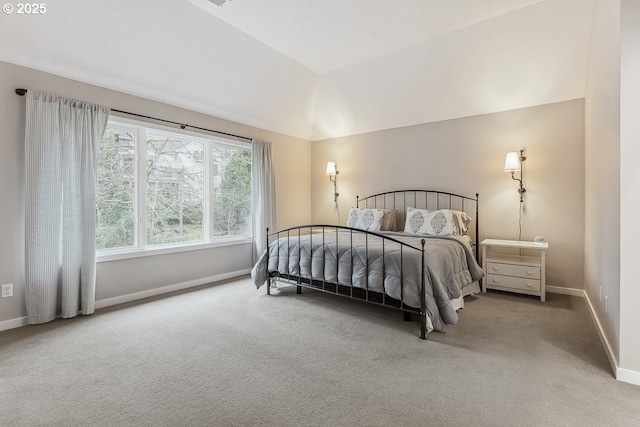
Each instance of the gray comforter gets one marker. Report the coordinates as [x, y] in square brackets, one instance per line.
[449, 266]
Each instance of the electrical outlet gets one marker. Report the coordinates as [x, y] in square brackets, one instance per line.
[606, 304]
[600, 297]
[7, 290]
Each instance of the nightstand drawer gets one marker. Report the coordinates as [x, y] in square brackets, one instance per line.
[523, 271]
[495, 281]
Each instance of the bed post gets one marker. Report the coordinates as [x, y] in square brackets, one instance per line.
[477, 230]
[423, 303]
[268, 277]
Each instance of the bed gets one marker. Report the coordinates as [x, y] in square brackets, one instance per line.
[411, 250]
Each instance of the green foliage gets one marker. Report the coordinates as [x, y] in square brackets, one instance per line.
[115, 195]
[232, 203]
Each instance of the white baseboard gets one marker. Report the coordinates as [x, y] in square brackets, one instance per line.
[13, 323]
[565, 291]
[621, 374]
[22, 321]
[603, 339]
[628, 376]
[171, 288]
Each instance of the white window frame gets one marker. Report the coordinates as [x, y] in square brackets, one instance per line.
[140, 247]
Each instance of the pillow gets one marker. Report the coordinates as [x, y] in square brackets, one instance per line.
[389, 220]
[462, 221]
[444, 222]
[365, 219]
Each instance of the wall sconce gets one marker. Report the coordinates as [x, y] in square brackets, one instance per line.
[513, 164]
[332, 171]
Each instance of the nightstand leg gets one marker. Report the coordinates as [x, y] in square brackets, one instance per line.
[484, 268]
[543, 279]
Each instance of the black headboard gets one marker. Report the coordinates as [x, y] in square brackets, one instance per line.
[425, 199]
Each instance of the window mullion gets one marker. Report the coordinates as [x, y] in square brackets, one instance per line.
[142, 188]
[208, 197]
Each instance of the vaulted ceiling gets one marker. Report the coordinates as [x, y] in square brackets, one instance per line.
[316, 69]
[324, 35]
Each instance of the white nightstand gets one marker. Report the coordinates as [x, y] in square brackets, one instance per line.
[523, 274]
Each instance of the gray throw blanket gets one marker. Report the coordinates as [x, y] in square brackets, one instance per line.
[449, 266]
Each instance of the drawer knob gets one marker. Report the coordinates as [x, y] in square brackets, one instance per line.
[529, 285]
[529, 273]
[495, 280]
[495, 268]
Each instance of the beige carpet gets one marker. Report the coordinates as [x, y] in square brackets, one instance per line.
[229, 355]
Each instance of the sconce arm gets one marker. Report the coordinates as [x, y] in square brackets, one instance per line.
[521, 190]
[516, 179]
[332, 178]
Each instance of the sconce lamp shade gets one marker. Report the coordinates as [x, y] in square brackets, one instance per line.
[512, 162]
[331, 168]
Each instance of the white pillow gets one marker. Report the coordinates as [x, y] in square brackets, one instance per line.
[444, 222]
[365, 219]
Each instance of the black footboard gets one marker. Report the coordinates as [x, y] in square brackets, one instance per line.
[328, 235]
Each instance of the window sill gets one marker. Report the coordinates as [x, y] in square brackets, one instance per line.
[118, 254]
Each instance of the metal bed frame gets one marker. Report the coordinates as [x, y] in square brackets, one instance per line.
[422, 199]
[425, 199]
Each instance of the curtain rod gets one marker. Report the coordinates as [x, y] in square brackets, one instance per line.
[23, 92]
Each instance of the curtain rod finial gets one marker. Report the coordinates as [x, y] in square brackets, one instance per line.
[21, 92]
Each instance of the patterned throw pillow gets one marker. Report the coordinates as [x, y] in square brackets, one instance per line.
[444, 222]
[365, 219]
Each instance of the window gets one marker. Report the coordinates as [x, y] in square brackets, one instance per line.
[159, 188]
[175, 189]
[231, 192]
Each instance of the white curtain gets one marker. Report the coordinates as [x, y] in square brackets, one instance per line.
[263, 192]
[62, 139]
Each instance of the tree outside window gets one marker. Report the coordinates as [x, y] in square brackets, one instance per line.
[191, 185]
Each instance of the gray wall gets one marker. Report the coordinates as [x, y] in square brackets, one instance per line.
[612, 178]
[123, 277]
[602, 171]
[629, 184]
[467, 156]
